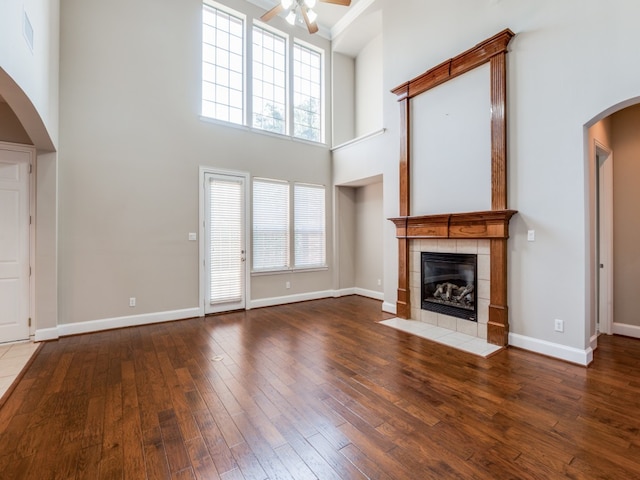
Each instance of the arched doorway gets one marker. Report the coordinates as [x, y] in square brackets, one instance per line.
[614, 232]
[22, 124]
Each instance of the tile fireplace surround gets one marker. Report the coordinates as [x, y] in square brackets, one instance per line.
[481, 248]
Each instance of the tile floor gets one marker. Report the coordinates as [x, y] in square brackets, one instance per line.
[13, 357]
[461, 341]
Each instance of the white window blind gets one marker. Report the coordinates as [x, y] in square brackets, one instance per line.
[309, 226]
[225, 240]
[269, 81]
[270, 225]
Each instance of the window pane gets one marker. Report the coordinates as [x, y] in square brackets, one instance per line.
[307, 89]
[309, 219]
[222, 57]
[269, 75]
[270, 225]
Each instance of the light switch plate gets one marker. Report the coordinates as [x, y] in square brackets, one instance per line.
[193, 237]
[531, 235]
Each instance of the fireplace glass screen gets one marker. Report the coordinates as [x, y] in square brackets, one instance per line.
[449, 284]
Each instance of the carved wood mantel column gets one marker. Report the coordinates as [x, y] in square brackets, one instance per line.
[403, 305]
[468, 225]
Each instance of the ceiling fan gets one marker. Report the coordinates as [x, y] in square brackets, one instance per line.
[302, 8]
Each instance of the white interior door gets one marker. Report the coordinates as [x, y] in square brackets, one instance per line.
[225, 244]
[14, 245]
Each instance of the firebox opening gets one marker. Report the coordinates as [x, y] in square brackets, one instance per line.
[449, 284]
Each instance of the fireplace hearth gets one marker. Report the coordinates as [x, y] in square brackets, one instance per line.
[449, 284]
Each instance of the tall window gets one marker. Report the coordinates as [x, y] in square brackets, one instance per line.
[274, 227]
[307, 88]
[269, 81]
[222, 65]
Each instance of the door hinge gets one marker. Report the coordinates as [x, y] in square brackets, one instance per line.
[29, 270]
[29, 219]
[30, 168]
[29, 321]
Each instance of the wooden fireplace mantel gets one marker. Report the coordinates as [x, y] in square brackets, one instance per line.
[492, 225]
[472, 225]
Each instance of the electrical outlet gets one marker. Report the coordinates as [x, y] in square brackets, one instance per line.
[287, 285]
[531, 235]
[132, 302]
[559, 325]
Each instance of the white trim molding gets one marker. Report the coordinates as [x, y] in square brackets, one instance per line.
[389, 308]
[300, 297]
[626, 330]
[550, 349]
[46, 334]
[92, 326]
[369, 293]
[344, 292]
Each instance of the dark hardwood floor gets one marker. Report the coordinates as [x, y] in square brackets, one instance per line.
[315, 390]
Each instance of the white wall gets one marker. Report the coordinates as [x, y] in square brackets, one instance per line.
[131, 144]
[368, 84]
[343, 98]
[35, 72]
[369, 223]
[554, 91]
[625, 129]
[451, 146]
[11, 130]
[346, 237]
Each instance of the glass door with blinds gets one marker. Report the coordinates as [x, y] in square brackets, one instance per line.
[225, 249]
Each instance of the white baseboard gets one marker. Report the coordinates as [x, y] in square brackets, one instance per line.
[593, 342]
[626, 330]
[556, 350]
[44, 334]
[66, 329]
[389, 308]
[300, 297]
[344, 292]
[369, 293]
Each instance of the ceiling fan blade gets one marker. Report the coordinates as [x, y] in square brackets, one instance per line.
[272, 13]
[313, 27]
[346, 3]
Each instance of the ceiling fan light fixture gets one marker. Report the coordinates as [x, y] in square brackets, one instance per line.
[310, 3]
[286, 3]
[312, 16]
[291, 18]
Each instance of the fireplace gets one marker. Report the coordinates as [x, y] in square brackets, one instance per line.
[449, 284]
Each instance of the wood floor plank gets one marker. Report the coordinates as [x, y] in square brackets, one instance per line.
[320, 390]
